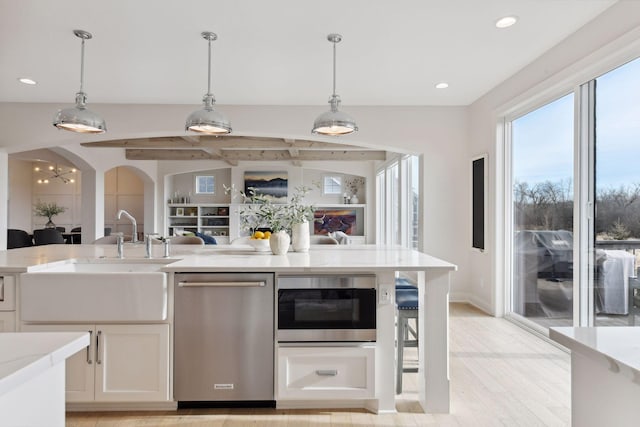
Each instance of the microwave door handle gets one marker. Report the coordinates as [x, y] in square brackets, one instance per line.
[257, 284]
[327, 372]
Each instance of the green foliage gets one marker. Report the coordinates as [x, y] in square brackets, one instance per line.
[260, 212]
[619, 231]
[48, 209]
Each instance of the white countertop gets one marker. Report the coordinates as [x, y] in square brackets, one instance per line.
[234, 258]
[619, 346]
[24, 355]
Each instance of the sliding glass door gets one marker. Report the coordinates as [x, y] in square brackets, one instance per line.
[542, 214]
[616, 300]
[543, 243]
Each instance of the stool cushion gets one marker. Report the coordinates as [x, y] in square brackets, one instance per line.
[407, 299]
[405, 284]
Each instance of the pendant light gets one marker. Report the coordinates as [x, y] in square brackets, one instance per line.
[78, 118]
[207, 120]
[334, 122]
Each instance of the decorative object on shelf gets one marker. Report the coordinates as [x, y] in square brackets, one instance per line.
[207, 120]
[57, 172]
[353, 185]
[279, 242]
[334, 122]
[78, 118]
[179, 211]
[331, 220]
[48, 210]
[271, 185]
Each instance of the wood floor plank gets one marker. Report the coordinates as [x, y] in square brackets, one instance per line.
[501, 375]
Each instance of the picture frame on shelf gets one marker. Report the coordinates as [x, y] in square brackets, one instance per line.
[272, 185]
[179, 211]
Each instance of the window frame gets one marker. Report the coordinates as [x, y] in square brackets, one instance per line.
[339, 178]
[213, 184]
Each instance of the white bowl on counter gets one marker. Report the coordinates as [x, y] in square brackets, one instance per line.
[260, 245]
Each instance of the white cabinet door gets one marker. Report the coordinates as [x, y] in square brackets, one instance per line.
[7, 321]
[79, 372]
[326, 373]
[132, 363]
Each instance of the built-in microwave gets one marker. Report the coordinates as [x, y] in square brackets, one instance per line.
[324, 308]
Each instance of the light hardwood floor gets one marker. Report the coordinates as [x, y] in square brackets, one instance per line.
[501, 375]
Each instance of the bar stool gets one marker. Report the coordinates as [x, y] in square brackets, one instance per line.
[407, 308]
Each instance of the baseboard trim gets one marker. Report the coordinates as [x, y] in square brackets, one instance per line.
[324, 404]
[121, 406]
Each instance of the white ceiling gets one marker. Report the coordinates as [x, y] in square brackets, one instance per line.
[275, 52]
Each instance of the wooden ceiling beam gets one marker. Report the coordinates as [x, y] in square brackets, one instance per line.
[152, 154]
[221, 143]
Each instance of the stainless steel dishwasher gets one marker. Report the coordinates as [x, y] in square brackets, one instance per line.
[224, 339]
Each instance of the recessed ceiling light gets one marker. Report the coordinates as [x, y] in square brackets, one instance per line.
[506, 21]
[27, 81]
[442, 85]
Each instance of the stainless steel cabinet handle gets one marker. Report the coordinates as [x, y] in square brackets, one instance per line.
[258, 284]
[89, 361]
[98, 360]
[1, 289]
[327, 372]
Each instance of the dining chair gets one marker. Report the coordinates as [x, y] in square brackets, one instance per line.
[106, 240]
[186, 240]
[18, 239]
[47, 236]
[324, 240]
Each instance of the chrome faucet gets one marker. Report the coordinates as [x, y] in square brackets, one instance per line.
[120, 244]
[134, 224]
[147, 245]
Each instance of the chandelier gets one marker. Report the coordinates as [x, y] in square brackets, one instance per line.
[57, 172]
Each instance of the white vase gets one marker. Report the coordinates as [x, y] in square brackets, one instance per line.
[354, 200]
[300, 238]
[279, 242]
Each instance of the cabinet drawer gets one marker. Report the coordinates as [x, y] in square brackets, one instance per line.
[7, 293]
[326, 372]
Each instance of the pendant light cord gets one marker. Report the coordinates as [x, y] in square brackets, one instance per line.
[82, 66]
[334, 68]
[209, 70]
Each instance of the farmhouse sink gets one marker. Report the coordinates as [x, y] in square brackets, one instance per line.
[98, 290]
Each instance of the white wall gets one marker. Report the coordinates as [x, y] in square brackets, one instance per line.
[616, 26]
[20, 204]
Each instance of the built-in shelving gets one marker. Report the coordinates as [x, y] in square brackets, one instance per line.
[208, 219]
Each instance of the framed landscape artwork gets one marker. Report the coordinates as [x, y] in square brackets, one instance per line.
[273, 185]
[330, 220]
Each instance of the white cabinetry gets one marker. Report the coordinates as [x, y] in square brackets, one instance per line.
[7, 304]
[332, 373]
[123, 363]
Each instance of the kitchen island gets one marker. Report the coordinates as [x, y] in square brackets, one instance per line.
[432, 276]
[605, 374]
[32, 376]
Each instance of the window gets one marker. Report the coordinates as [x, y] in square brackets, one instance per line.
[205, 185]
[397, 192]
[332, 184]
